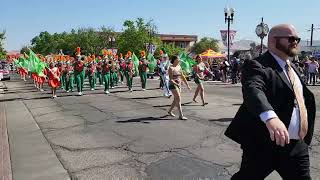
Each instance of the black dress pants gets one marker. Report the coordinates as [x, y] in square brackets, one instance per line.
[291, 162]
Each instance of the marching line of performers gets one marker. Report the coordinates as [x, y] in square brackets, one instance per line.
[109, 72]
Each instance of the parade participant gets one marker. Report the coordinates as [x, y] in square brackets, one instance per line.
[61, 66]
[199, 76]
[117, 70]
[34, 78]
[113, 73]
[122, 68]
[164, 75]
[54, 79]
[99, 71]
[129, 73]
[275, 123]
[143, 66]
[79, 71]
[69, 73]
[159, 72]
[106, 71]
[176, 75]
[23, 73]
[42, 79]
[91, 70]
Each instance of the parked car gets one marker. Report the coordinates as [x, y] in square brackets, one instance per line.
[4, 71]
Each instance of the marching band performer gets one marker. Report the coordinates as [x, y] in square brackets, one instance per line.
[143, 66]
[54, 79]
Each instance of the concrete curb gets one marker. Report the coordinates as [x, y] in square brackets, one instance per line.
[5, 162]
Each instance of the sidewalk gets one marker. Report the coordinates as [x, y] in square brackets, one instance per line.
[32, 158]
[5, 164]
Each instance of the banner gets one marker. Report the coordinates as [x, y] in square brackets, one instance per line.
[151, 48]
[114, 51]
[224, 36]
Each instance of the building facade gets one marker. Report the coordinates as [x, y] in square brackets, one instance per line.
[182, 41]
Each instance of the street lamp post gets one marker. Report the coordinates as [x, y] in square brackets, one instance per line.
[228, 17]
[262, 31]
[151, 34]
[111, 40]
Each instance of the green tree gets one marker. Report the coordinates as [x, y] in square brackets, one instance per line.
[171, 48]
[2, 51]
[137, 34]
[24, 49]
[205, 44]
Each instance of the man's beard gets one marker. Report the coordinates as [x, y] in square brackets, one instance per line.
[291, 52]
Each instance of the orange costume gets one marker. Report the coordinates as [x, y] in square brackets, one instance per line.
[23, 71]
[54, 77]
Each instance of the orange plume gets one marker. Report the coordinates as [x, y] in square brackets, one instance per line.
[161, 52]
[129, 54]
[105, 52]
[93, 57]
[78, 50]
[143, 53]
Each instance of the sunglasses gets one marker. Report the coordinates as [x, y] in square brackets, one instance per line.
[291, 39]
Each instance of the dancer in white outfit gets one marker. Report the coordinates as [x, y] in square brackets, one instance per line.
[164, 67]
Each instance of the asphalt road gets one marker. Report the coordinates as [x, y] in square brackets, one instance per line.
[126, 135]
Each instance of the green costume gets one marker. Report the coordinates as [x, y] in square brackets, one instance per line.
[106, 76]
[91, 75]
[122, 70]
[79, 75]
[143, 73]
[69, 73]
[99, 73]
[129, 75]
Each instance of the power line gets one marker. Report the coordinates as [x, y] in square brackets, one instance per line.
[312, 29]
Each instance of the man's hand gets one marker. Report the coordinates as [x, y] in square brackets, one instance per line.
[278, 131]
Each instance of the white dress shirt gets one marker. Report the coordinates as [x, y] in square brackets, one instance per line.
[295, 117]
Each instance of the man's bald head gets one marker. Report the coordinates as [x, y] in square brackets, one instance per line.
[281, 30]
[283, 40]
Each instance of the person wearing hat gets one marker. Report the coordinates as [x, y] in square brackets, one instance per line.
[106, 68]
[129, 73]
[122, 68]
[91, 69]
[99, 71]
[117, 70]
[164, 67]
[62, 65]
[113, 74]
[54, 79]
[69, 77]
[79, 73]
[143, 66]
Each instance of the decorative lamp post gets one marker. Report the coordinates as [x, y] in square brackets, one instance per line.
[228, 17]
[151, 34]
[262, 31]
[111, 40]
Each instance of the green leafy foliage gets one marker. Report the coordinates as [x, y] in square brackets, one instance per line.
[2, 51]
[205, 44]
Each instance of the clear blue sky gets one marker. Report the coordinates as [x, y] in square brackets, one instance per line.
[24, 19]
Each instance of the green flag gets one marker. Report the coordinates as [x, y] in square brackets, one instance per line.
[33, 61]
[152, 63]
[39, 68]
[23, 62]
[35, 64]
[186, 63]
[135, 61]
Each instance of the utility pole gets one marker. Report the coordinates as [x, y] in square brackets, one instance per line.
[312, 29]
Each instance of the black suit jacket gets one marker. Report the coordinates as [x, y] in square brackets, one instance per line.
[266, 87]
